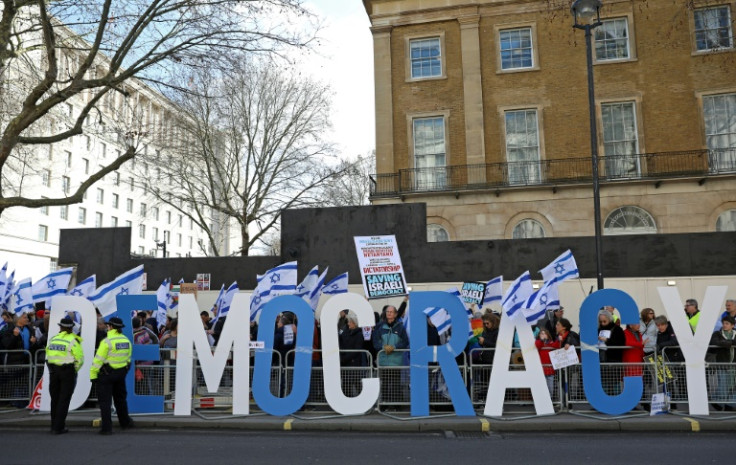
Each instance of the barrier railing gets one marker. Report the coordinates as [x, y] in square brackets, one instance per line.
[664, 372]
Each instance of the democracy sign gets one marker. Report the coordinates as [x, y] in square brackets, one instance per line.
[380, 266]
[212, 362]
[472, 293]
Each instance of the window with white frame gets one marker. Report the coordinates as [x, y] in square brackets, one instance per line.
[132, 184]
[719, 112]
[68, 156]
[64, 212]
[713, 29]
[100, 196]
[129, 205]
[429, 153]
[522, 147]
[516, 48]
[43, 233]
[155, 213]
[142, 231]
[98, 220]
[612, 40]
[46, 178]
[528, 229]
[44, 210]
[116, 179]
[65, 184]
[426, 57]
[620, 140]
[114, 221]
[144, 209]
[115, 200]
[128, 224]
[154, 233]
[86, 165]
[629, 219]
[168, 217]
[726, 221]
[437, 233]
[82, 215]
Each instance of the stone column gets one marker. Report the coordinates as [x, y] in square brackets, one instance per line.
[473, 97]
[384, 99]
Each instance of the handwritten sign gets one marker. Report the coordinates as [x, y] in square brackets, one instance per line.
[562, 358]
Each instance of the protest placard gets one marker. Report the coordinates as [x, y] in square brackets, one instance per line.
[380, 266]
[473, 292]
[562, 358]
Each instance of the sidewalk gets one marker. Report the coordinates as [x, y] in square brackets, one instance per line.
[396, 422]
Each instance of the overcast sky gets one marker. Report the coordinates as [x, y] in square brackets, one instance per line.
[345, 62]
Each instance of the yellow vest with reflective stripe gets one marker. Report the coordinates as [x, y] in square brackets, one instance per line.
[115, 350]
[65, 348]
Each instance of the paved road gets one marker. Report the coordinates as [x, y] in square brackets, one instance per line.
[84, 446]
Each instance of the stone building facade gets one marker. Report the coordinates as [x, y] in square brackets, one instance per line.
[482, 114]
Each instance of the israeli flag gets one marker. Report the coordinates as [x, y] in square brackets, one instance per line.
[23, 297]
[275, 282]
[316, 293]
[8, 292]
[218, 304]
[540, 301]
[338, 285]
[163, 299]
[86, 288]
[517, 294]
[181, 281]
[52, 284]
[439, 318]
[227, 299]
[310, 281]
[5, 283]
[494, 290]
[128, 283]
[561, 269]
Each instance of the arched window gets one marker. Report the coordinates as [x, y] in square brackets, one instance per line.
[528, 229]
[629, 220]
[726, 221]
[436, 233]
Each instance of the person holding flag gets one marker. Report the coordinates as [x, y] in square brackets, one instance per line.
[64, 357]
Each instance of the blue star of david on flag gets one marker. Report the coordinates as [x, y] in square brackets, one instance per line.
[77, 292]
[275, 278]
[257, 300]
[51, 283]
[543, 298]
[123, 291]
[18, 298]
[334, 286]
[559, 268]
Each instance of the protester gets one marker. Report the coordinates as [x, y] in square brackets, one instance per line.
[111, 364]
[285, 337]
[611, 340]
[489, 336]
[64, 357]
[546, 343]
[566, 335]
[388, 336]
[668, 345]
[648, 329]
[549, 322]
[730, 310]
[169, 339]
[19, 337]
[693, 313]
[142, 335]
[725, 340]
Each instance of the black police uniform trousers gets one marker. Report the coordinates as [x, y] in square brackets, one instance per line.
[111, 387]
[63, 379]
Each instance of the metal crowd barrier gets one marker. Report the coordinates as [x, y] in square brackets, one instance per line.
[16, 376]
[720, 378]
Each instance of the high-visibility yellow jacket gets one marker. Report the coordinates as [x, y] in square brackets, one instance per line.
[115, 350]
[64, 349]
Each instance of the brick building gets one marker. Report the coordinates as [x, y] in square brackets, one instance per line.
[482, 114]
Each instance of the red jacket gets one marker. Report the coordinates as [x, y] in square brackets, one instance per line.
[633, 354]
[544, 350]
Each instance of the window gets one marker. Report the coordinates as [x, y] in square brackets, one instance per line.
[43, 233]
[178, 239]
[98, 220]
[429, 153]
[528, 229]
[629, 220]
[181, 220]
[68, 156]
[116, 179]
[46, 178]
[191, 224]
[132, 184]
[142, 231]
[86, 165]
[114, 221]
[65, 184]
[713, 28]
[612, 40]
[82, 216]
[103, 149]
[64, 212]
[426, 57]
[115, 200]
[726, 221]
[100, 196]
[129, 205]
[167, 236]
[141, 250]
[522, 147]
[45, 209]
[128, 224]
[191, 242]
[516, 48]
[143, 209]
[154, 233]
[620, 141]
[719, 112]
[155, 213]
[88, 142]
[168, 217]
[436, 233]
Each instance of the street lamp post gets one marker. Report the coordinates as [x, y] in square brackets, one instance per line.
[587, 18]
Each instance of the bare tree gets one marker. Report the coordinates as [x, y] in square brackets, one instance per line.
[254, 147]
[51, 52]
[353, 186]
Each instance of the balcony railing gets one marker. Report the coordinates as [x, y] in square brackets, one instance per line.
[655, 166]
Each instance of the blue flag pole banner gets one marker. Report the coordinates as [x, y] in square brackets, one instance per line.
[473, 293]
[380, 266]
[9, 289]
[561, 269]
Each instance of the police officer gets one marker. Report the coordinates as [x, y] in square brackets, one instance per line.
[64, 357]
[109, 368]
